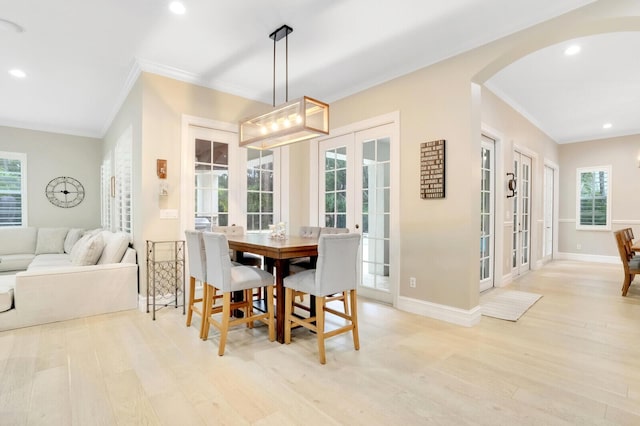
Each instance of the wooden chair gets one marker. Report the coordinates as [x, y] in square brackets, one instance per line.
[630, 263]
[228, 279]
[336, 272]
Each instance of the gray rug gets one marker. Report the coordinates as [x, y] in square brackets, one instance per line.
[508, 305]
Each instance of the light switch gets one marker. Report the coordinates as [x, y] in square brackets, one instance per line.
[168, 214]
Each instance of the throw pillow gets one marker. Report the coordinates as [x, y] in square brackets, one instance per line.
[73, 236]
[89, 252]
[51, 240]
[115, 246]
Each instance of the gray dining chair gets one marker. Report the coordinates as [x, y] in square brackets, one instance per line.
[228, 279]
[247, 258]
[336, 272]
[197, 272]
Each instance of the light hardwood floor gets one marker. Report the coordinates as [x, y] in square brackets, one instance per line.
[573, 358]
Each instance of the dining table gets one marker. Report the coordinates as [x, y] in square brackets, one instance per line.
[277, 252]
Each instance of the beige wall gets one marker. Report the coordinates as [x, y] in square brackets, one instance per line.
[50, 155]
[623, 155]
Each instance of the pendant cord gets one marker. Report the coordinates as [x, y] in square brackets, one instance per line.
[286, 40]
[274, 72]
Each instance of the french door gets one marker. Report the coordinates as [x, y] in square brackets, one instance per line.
[521, 237]
[487, 212]
[355, 192]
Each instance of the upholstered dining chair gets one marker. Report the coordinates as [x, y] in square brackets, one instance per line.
[303, 263]
[247, 258]
[336, 272]
[197, 272]
[227, 279]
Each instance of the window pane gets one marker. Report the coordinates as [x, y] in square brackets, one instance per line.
[220, 151]
[341, 158]
[267, 181]
[267, 203]
[253, 202]
[329, 181]
[384, 153]
[341, 179]
[369, 150]
[330, 203]
[203, 151]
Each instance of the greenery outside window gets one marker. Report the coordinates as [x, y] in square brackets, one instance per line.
[593, 204]
[260, 189]
[13, 189]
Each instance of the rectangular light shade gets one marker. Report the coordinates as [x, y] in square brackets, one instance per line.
[295, 121]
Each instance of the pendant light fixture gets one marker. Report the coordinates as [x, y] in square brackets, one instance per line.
[293, 121]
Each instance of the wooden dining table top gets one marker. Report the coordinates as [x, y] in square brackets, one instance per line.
[275, 248]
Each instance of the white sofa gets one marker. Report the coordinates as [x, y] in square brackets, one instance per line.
[55, 274]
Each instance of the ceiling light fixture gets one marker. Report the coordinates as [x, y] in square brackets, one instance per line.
[607, 125]
[177, 7]
[18, 73]
[293, 121]
[572, 50]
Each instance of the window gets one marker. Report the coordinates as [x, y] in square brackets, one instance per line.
[593, 204]
[260, 185]
[13, 188]
[212, 183]
[123, 163]
[106, 190]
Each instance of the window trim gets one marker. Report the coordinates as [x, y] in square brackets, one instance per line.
[579, 172]
[22, 157]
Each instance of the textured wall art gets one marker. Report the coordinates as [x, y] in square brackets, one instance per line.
[432, 161]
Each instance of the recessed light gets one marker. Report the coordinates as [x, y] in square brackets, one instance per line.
[17, 73]
[607, 125]
[177, 7]
[572, 50]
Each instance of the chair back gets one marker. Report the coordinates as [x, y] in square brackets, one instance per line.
[309, 231]
[337, 267]
[197, 257]
[328, 230]
[229, 230]
[218, 260]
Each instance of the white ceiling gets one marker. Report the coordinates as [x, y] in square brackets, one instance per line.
[80, 56]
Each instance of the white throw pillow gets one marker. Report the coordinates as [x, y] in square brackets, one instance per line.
[116, 244]
[51, 240]
[73, 236]
[89, 251]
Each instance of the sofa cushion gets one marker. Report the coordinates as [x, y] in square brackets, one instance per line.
[7, 284]
[18, 240]
[89, 251]
[72, 238]
[15, 262]
[51, 240]
[48, 261]
[115, 244]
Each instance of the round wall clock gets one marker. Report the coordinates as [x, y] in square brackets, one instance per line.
[65, 191]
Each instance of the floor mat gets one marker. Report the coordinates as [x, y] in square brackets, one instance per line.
[508, 305]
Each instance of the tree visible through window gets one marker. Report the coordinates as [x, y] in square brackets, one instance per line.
[260, 193]
[13, 170]
[594, 200]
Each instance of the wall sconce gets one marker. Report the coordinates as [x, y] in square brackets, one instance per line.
[512, 184]
[161, 171]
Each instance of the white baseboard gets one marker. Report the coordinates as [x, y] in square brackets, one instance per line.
[465, 318]
[587, 258]
[160, 300]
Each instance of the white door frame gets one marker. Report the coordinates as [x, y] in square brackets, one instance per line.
[556, 198]
[489, 282]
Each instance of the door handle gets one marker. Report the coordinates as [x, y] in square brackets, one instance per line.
[357, 226]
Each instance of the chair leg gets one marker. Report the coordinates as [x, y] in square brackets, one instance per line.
[207, 306]
[270, 311]
[354, 319]
[345, 302]
[248, 308]
[192, 289]
[320, 301]
[627, 282]
[226, 313]
[288, 308]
